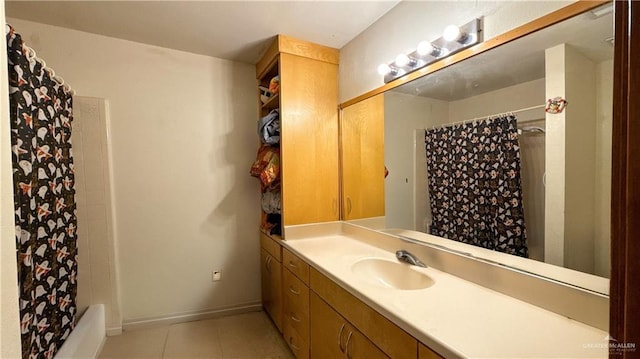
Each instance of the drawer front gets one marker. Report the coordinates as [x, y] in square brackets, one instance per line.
[296, 293]
[299, 343]
[296, 265]
[394, 342]
[272, 246]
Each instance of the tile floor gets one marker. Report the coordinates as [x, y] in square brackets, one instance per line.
[244, 336]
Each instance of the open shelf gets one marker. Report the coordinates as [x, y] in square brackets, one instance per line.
[274, 102]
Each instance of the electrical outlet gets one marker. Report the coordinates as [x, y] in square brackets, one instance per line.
[216, 275]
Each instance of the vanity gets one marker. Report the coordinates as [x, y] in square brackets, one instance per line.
[332, 282]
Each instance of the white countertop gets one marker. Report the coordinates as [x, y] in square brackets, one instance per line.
[455, 317]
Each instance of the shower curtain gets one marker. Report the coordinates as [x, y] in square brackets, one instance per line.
[474, 184]
[45, 210]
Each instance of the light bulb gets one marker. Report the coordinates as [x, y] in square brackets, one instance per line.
[402, 60]
[451, 33]
[425, 48]
[384, 69]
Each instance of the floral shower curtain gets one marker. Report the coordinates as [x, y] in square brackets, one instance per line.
[45, 210]
[474, 184]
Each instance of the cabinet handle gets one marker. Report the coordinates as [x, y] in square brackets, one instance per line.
[293, 291]
[348, 205]
[347, 345]
[267, 264]
[293, 317]
[292, 265]
[293, 345]
[340, 337]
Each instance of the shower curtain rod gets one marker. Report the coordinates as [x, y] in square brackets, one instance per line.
[32, 56]
[497, 115]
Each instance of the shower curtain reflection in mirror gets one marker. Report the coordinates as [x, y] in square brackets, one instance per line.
[475, 192]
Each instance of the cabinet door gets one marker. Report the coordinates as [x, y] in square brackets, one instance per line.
[425, 352]
[333, 337]
[272, 287]
[309, 140]
[362, 141]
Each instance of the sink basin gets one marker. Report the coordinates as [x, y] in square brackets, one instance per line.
[389, 274]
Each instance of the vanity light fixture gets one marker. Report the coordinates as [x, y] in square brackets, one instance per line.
[385, 69]
[454, 39]
[403, 60]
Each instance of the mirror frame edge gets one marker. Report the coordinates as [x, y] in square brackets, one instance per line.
[625, 192]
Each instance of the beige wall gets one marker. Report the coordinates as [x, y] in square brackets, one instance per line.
[604, 98]
[410, 22]
[507, 99]
[9, 318]
[571, 160]
[182, 132]
[97, 282]
[406, 196]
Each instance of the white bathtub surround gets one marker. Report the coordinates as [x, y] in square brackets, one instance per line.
[455, 317]
[88, 337]
[97, 272]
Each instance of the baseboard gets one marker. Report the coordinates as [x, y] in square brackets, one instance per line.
[190, 316]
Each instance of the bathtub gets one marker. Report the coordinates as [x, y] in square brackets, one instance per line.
[87, 338]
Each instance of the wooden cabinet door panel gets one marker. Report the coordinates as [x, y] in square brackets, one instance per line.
[362, 140]
[271, 271]
[424, 352]
[308, 140]
[333, 337]
[327, 330]
[359, 347]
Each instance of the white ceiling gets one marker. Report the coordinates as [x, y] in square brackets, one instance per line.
[233, 30]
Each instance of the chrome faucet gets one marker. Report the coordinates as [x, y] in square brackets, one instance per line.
[407, 257]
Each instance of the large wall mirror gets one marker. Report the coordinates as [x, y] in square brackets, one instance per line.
[561, 187]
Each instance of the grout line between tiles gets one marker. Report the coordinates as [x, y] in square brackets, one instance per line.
[166, 339]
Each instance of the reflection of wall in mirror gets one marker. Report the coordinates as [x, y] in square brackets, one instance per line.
[578, 162]
[403, 115]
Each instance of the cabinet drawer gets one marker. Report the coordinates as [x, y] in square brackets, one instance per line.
[298, 342]
[394, 342]
[296, 265]
[296, 293]
[271, 246]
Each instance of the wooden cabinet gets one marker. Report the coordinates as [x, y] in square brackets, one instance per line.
[334, 337]
[363, 170]
[271, 271]
[425, 353]
[391, 339]
[308, 103]
[295, 317]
